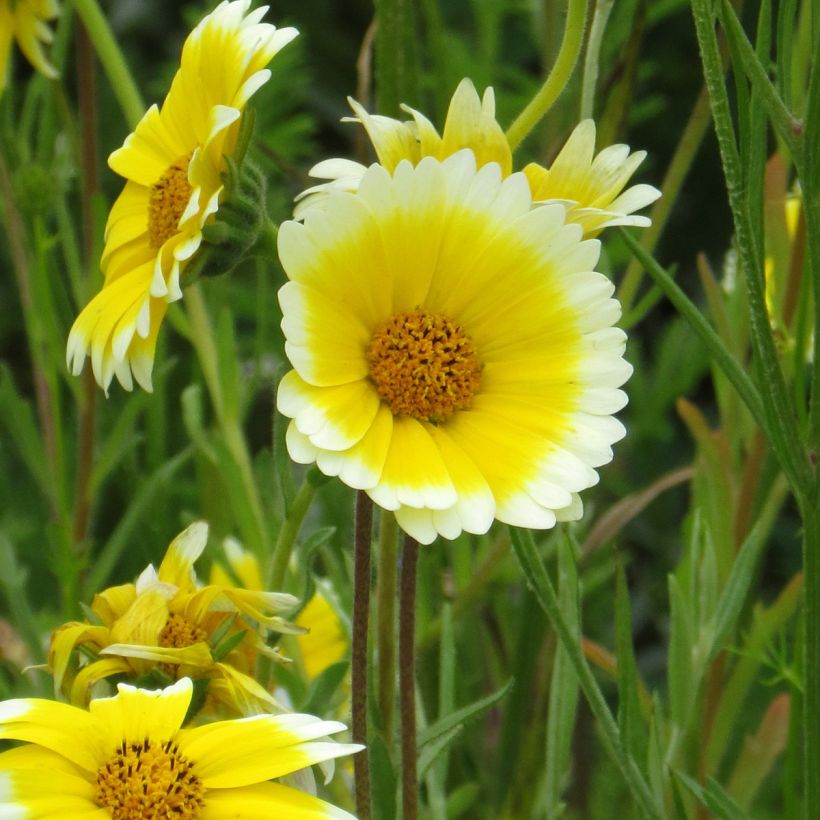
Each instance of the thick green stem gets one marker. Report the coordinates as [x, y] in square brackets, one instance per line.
[407, 679]
[558, 76]
[361, 619]
[395, 67]
[386, 613]
[538, 578]
[283, 547]
[111, 57]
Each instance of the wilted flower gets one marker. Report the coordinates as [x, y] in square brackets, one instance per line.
[168, 623]
[25, 21]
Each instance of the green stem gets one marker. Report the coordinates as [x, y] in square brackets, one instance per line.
[395, 78]
[283, 547]
[361, 617]
[202, 338]
[713, 343]
[558, 77]
[785, 123]
[780, 419]
[386, 613]
[811, 657]
[538, 578]
[407, 679]
[600, 16]
[111, 57]
[676, 173]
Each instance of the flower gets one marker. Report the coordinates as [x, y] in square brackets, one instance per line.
[452, 348]
[588, 186]
[324, 643]
[166, 622]
[173, 163]
[25, 21]
[128, 758]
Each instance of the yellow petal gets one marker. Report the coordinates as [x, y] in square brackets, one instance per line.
[177, 566]
[265, 800]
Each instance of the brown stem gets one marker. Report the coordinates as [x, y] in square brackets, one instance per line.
[407, 677]
[361, 612]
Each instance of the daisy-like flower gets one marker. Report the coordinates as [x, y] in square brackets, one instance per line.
[128, 758]
[25, 21]
[589, 186]
[173, 164]
[167, 622]
[452, 347]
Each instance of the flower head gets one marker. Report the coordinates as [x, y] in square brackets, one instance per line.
[129, 758]
[452, 347]
[590, 187]
[169, 623]
[173, 165]
[25, 21]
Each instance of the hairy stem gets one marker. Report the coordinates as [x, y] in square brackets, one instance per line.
[407, 678]
[361, 616]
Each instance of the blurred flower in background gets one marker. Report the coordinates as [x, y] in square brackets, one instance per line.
[25, 21]
[167, 624]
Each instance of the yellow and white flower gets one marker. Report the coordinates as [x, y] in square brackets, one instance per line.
[168, 622]
[128, 757]
[25, 21]
[453, 348]
[589, 186]
[173, 164]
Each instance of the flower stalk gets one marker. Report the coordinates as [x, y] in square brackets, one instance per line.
[361, 615]
[407, 678]
[558, 77]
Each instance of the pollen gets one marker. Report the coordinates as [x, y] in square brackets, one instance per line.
[149, 781]
[178, 632]
[423, 365]
[167, 202]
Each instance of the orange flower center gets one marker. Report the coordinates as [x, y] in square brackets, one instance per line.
[423, 365]
[149, 781]
[167, 202]
[179, 631]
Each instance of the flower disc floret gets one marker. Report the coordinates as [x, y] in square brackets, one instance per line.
[145, 781]
[173, 164]
[453, 348]
[129, 757]
[423, 365]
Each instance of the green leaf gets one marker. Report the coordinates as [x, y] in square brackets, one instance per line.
[455, 719]
[323, 688]
[737, 587]
[383, 779]
[713, 797]
[633, 729]
[682, 686]
[431, 750]
[563, 695]
[462, 799]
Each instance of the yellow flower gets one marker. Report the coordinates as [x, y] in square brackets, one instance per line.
[452, 346]
[167, 622]
[324, 643]
[173, 164]
[588, 186]
[128, 758]
[25, 21]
